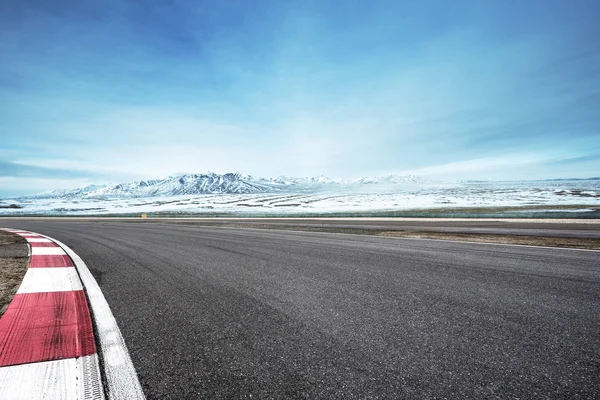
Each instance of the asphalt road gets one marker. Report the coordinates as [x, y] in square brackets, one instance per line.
[532, 227]
[240, 313]
[574, 228]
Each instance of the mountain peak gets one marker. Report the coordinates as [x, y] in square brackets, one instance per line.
[214, 183]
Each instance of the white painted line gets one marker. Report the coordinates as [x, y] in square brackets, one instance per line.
[47, 251]
[58, 279]
[68, 379]
[38, 240]
[480, 243]
[413, 238]
[119, 373]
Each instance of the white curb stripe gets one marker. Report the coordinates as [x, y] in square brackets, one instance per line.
[47, 251]
[56, 279]
[121, 379]
[68, 379]
[38, 240]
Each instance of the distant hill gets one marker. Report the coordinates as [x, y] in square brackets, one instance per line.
[596, 178]
[211, 183]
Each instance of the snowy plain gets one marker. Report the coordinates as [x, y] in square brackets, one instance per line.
[410, 197]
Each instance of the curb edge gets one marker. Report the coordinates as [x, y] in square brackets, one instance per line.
[121, 380]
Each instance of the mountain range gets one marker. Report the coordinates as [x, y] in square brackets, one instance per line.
[212, 183]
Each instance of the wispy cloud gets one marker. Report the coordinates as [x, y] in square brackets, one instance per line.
[16, 170]
[138, 89]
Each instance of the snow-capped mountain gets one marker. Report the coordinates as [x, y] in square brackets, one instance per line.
[295, 182]
[187, 184]
[66, 193]
[212, 183]
[391, 180]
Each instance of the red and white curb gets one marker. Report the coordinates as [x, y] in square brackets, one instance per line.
[47, 344]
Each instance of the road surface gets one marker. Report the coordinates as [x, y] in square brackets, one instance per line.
[215, 313]
[574, 228]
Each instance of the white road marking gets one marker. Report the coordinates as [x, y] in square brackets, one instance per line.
[59, 279]
[119, 373]
[68, 379]
[47, 251]
[38, 240]
[481, 243]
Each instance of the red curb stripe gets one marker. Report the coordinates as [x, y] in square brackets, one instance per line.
[43, 244]
[49, 261]
[46, 326]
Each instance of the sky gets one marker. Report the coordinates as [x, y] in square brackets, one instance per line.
[119, 90]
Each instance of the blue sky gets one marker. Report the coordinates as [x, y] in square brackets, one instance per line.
[118, 90]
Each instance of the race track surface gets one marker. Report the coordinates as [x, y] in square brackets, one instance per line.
[211, 312]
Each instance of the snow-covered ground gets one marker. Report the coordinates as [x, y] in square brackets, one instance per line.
[332, 198]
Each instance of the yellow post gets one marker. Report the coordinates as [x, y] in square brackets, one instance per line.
[143, 215]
